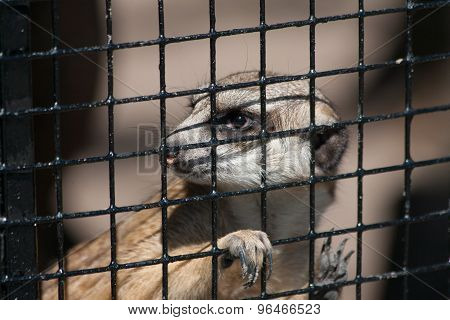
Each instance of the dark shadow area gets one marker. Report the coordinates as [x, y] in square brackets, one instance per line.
[428, 241]
[428, 245]
[78, 20]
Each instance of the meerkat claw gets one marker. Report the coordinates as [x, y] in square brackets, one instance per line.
[252, 248]
[269, 264]
[244, 266]
[252, 275]
[332, 267]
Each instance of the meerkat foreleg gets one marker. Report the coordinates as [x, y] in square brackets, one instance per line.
[191, 279]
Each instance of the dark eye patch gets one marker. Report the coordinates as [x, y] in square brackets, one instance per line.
[237, 120]
[323, 136]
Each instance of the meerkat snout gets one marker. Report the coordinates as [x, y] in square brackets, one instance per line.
[171, 158]
[238, 115]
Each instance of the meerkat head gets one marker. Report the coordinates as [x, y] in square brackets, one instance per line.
[238, 115]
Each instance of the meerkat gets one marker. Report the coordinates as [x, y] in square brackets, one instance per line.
[238, 167]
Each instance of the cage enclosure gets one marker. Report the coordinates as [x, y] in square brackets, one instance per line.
[81, 83]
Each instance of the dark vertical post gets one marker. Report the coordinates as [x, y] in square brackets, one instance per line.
[214, 204]
[360, 146]
[312, 128]
[408, 161]
[18, 251]
[57, 141]
[263, 133]
[163, 150]
[111, 154]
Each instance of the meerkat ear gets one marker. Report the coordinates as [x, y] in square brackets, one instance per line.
[329, 145]
[197, 97]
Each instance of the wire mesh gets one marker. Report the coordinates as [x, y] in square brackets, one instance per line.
[111, 102]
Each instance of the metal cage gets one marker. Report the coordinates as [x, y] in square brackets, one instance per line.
[18, 222]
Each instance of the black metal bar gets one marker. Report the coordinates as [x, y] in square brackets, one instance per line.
[408, 161]
[18, 242]
[217, 195]
[270, 135]
[218, 34]
[111, 150]
[163, 150]
[312, 127]
[263, 133]
[213, 112]
[399, 222]
[372, 278]
[360, 146]
[57, 171]
[219, 88]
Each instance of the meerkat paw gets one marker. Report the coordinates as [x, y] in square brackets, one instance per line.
[251, 247]
[332, 267]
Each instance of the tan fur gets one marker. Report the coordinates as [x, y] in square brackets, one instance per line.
[139, 239]
[189, 225]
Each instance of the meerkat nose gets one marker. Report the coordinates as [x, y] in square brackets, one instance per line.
[171, 157]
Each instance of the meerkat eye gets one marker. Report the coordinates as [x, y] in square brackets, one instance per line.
[321, 138]
[237, 121]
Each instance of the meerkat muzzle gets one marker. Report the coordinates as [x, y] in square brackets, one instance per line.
[171, 158]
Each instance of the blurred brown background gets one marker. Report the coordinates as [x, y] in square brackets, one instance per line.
[84, 79]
